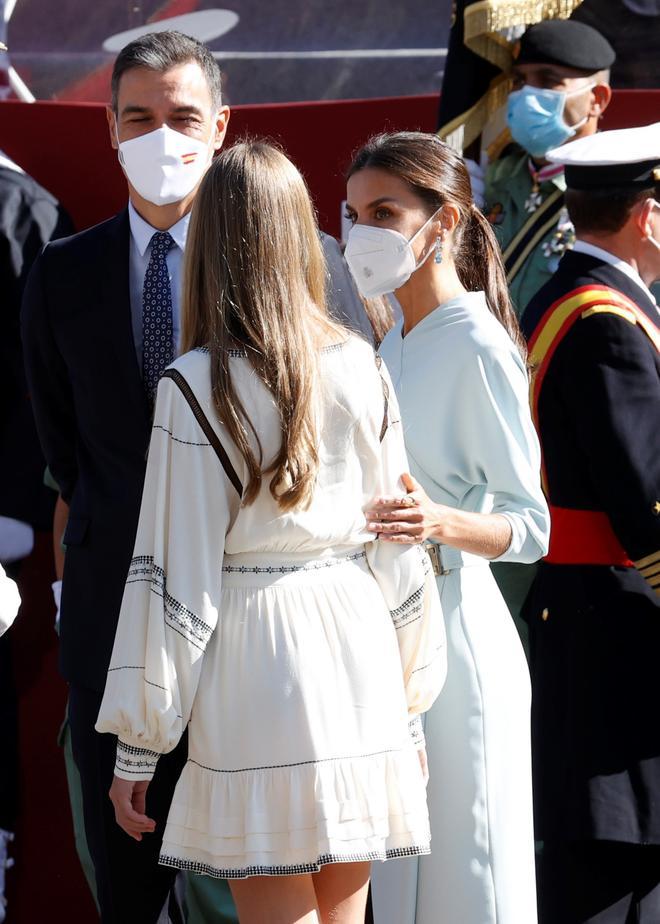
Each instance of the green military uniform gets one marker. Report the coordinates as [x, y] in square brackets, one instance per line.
[515, 204]
[530, 222]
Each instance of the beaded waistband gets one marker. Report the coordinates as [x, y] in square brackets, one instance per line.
[276, 563]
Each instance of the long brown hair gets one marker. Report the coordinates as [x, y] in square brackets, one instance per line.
[254, 279]
[438, 176]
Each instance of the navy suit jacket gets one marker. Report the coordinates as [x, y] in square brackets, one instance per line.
[94, 424]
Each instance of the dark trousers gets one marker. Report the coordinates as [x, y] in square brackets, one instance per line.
[132, 887]
[599, 882]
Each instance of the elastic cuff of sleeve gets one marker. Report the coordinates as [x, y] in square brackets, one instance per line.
[134, 763]
[416, 731]
[515, 542]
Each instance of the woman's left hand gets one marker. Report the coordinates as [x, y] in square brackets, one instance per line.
[129, 800]
[406, 518]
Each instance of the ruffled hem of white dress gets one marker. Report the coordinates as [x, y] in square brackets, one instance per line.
[281, 821]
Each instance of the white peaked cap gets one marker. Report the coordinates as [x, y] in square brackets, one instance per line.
[623, 158]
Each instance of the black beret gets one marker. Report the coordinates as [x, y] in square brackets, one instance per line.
[568, 43]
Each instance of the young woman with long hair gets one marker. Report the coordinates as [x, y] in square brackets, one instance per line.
[259, 613]
[457, 360]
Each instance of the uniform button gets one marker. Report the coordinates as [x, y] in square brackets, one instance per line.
[545, 614]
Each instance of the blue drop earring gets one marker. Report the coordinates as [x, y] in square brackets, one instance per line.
[438, 250]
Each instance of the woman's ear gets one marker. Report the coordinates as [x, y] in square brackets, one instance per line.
[449, 217]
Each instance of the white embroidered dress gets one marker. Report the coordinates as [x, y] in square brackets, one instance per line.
[294, 649]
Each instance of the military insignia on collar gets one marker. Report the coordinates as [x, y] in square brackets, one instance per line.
[562, 239]
[534, 199]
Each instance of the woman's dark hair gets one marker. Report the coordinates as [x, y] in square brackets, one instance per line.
[438, 176]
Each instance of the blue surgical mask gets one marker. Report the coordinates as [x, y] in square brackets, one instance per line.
[536, 118]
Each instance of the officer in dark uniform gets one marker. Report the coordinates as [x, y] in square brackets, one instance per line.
[594, 609]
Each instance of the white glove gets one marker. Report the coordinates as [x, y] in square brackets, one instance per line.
[9, 601]
[478, 181]
[57, 596]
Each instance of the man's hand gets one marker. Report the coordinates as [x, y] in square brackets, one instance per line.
[129, 799]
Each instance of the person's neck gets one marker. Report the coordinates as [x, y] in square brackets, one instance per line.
[161, 217]
[623, 250]
[425, 291]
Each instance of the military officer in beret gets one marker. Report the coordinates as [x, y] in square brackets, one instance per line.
[560, 91]
[594, 609]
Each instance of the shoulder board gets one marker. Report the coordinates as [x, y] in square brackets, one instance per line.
[610, 309]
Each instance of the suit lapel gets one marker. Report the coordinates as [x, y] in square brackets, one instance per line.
[116, 308]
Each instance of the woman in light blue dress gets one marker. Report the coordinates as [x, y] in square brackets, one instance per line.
[457, 362]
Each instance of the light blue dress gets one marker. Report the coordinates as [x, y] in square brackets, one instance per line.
[463, 393]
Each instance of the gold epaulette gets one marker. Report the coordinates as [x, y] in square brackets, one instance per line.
[649, 568]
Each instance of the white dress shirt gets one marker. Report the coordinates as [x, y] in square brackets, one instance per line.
[140, 254]
[613, 260]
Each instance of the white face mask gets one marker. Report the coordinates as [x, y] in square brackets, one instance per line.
[164, 166]
[381, 260]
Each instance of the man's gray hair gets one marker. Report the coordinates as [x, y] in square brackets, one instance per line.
[160, 51]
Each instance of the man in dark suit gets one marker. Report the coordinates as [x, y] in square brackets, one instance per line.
[100, 323]
[594, 609]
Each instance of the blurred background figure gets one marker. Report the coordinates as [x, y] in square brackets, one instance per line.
[29, 217]
[9, 604]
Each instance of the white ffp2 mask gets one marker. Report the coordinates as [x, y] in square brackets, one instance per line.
[382, 260]
[164, 166]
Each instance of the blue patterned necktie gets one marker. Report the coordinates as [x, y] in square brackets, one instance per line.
[157, 328]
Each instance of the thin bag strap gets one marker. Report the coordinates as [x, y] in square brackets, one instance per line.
[209, 432]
